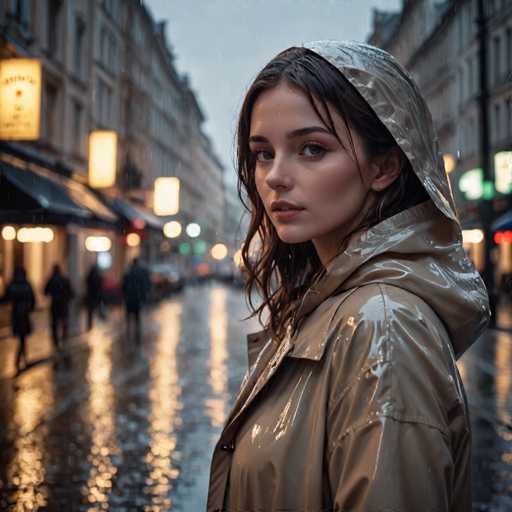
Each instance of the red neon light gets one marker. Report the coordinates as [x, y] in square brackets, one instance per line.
[501, 237]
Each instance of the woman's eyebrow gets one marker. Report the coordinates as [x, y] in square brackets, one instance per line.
[295, 133]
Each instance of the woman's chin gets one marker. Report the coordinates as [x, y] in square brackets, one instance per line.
[289, 237]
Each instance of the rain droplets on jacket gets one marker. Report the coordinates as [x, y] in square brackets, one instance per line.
[362, 408]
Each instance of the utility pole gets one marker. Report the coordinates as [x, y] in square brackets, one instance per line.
[485, 205]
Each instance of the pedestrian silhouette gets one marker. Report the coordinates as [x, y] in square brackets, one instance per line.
[136, 286]
[20, 294]
[58, 287]
[94, 293]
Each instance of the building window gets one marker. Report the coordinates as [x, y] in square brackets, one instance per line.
[79, 46]
[497, 123]
[108, 5]
[104, 103]
[21, 12]
[54, 7]
[103, 45]
[470, 76]
[497, 59]
[77, 127]
[508, 113]
[50, 113]
[509, 52]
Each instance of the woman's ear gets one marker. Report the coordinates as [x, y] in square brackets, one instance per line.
[387, 169]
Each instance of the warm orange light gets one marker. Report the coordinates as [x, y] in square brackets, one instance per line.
[8, 233]
[172, 229]
[449, 162]
[237, 258]
[102, 158]
[98, 243]
[20, 99]
[167, 196]
[133, 240]
[219, 252]
[28, 235]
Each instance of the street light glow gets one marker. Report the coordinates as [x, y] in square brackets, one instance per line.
[172, 229]
[98, 243]
[28, 235]
[166, 196]
[133, 240]
[472, 236]
[219, 251]
[193, 230]
[102, 158]
[237, 258]
[9, 233]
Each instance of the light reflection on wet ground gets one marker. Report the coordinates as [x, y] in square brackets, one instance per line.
[116, 426]
[487, 373]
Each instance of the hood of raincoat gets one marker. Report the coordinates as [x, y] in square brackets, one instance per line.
[419, 249]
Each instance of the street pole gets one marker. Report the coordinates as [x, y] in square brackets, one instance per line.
[485, 204]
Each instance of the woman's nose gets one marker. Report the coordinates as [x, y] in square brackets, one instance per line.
[279, 176]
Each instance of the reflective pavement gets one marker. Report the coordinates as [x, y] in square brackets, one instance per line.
[117, 426]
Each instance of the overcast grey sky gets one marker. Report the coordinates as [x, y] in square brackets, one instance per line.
[222, 44]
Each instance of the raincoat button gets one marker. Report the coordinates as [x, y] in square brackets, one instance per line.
[230, 447]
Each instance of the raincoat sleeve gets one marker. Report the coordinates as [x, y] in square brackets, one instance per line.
[391, 402]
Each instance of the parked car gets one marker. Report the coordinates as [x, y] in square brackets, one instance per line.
[165, 280]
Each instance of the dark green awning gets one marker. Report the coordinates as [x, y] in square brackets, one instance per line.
[39, 196]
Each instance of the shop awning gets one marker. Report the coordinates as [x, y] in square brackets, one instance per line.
[503, 223]
[39, 196]
[132, 214]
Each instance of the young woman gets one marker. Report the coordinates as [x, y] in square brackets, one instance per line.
[352, 401]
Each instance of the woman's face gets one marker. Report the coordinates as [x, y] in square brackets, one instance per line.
[309, 183]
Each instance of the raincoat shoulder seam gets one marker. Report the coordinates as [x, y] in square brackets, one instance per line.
[396, 417]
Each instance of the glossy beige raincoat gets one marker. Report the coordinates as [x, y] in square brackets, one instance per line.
[362, 408]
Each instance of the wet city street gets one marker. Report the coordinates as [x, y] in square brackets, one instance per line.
[121, 427]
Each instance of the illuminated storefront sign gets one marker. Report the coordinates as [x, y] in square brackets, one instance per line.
[102, 158]
[20, 99]
[167, 196]
[503, 171]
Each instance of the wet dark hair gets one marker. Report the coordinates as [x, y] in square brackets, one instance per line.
[282, 272]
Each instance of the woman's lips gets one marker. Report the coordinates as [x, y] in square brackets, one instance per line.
[286, 215]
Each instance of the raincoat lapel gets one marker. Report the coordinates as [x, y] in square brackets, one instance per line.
[268, 362]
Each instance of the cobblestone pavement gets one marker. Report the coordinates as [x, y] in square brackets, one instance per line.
[116, 426]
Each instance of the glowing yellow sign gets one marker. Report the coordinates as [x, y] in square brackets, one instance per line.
[20, 99]
[167, 196]
[503, 171]
[102, 158]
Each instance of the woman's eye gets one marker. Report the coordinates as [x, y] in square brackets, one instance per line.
[262, 155]
[313, 150]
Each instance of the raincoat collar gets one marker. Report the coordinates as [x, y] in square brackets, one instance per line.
[419, 250]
